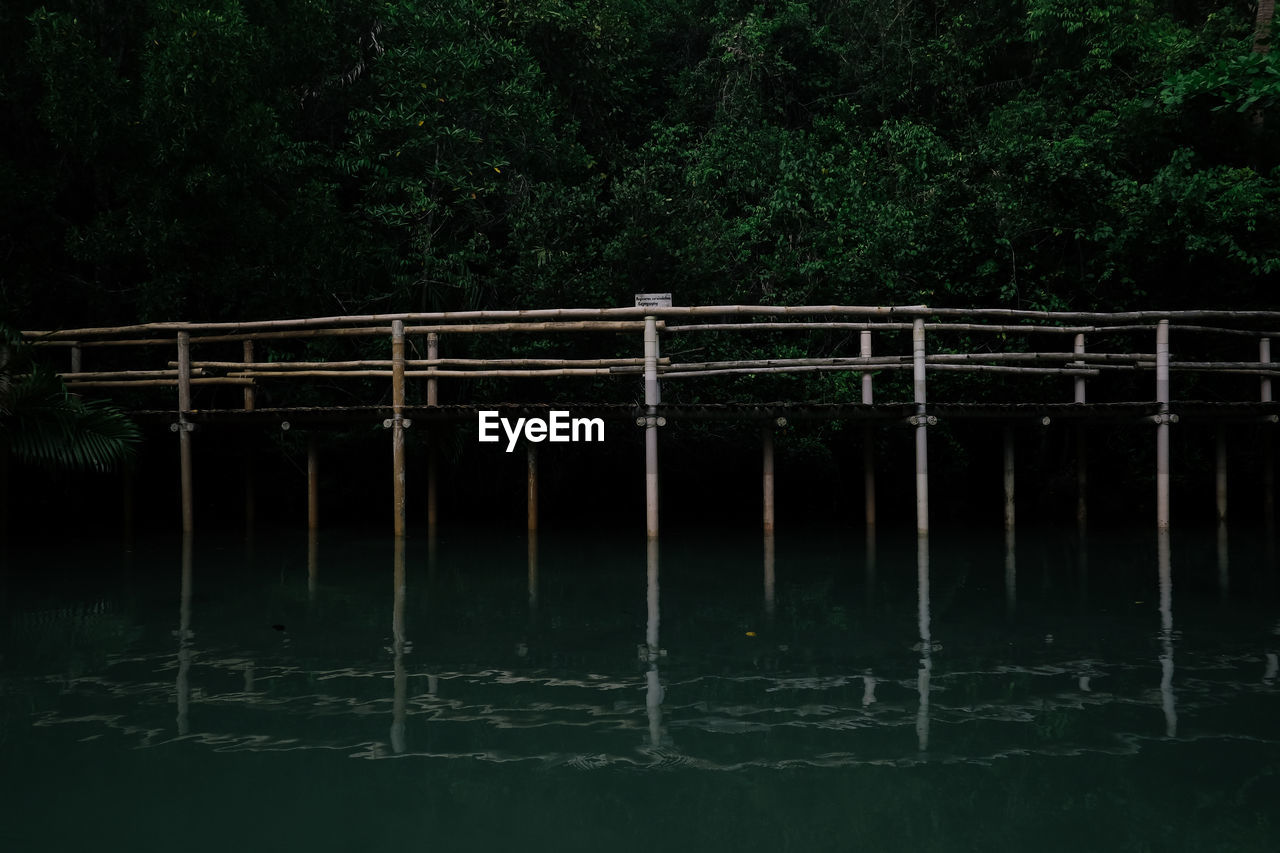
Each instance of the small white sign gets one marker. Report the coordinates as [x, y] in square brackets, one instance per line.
[653, 300]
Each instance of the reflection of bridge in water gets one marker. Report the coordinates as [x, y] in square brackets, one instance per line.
[666, 713]
[1009, 344]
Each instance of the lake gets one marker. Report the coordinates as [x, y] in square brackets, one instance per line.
[717, 692]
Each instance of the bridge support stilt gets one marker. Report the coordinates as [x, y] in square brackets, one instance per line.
[532, 454]
[1162, 426]
[397, 427]
[313, 485]
[922, 441]
[1009, 505]
[184, 430]
[651, 399]
[766, 441]
[868, 446]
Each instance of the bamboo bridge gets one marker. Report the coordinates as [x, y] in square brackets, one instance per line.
[1092, 352]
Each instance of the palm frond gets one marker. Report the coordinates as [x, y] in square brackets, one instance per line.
[44, 425]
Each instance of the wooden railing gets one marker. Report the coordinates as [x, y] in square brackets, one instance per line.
[1076, 345]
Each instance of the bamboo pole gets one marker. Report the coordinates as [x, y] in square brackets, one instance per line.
[313, 484]
[1268, 449]
[531, 450]
[1162, 427]
[386, 363]
[676, 373]
[770, 575]
[184, 430]
[766, 441]
[433, 356]
[1264, 357]
[1077, 348]
[652, 397]
[1082, 509]
[125, 374]
[903, 311]
[433, 399]
[250, 395]
[922, 448]
[397, 427]
[158, 383]
[1009, 507]
[868, 445]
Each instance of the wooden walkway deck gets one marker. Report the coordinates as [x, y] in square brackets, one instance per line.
[388, 368]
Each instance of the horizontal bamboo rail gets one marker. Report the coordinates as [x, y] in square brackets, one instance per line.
[425, 362]
[585, 314]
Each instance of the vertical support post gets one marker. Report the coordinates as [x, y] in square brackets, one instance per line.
[1264, 356]
[433, 399]
[868, 446]
[766, 440]
[531, 450]
[922, 445]
[250, 397]
[770, 576]
[313, 485]
[75, 358]
[1162, 427]
[1077, 348]
[184, 430]
[1082, 455]
[1009, 506]
[651, 400]
[1268, 447]
[397, 425]
[1220, 474]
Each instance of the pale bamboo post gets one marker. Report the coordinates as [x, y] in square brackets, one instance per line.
[531, 450]
[76, 361]
[433, 399]
[313, 485]
[1009, 507]
[250, 397]
[1220, 473]
[651, 399]
[922, 446]
[250, 490]
[1268, 446]
[766, 440]
[770, 579]
[184, 430]
[1082, 470]
[397, 425]
[1162, 425]
[868, 446]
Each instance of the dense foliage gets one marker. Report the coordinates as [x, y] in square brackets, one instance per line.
[255, 158]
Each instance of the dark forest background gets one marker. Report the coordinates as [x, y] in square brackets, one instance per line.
[251, 159]
[265, 158]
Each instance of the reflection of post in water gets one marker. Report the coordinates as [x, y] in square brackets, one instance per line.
[1010, 573]
[768, 575]
[926, 641]
[185, 635]
[1166, 634]
[397, 649]
[313, 563]
[653, 683]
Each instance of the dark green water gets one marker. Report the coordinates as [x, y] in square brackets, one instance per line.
[1118, 697]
